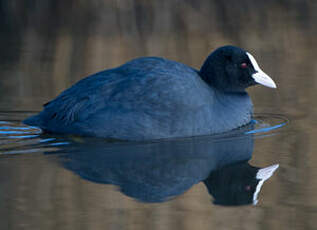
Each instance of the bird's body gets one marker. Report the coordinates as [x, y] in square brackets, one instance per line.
[146, 98]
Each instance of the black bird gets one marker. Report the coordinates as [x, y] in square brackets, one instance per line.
[154, 98]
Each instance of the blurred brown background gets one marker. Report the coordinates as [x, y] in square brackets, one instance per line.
[47, 45]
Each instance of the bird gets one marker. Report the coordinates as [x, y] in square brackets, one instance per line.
[151, 98]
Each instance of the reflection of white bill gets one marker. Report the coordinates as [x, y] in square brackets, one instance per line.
[263, 175]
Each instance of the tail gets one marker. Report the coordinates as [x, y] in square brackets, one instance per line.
[34, 121]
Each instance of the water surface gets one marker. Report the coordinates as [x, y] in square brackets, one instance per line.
[58, 182]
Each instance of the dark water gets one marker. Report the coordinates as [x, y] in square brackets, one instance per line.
[58, 182]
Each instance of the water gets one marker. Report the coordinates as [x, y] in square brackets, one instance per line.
[69, 182]
[144, 174]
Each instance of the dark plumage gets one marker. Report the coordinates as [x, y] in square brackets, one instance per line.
[154, 98]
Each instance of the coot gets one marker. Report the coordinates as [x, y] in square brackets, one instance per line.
[154, 98]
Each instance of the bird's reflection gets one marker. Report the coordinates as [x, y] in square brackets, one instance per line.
[159, 171]
[237, 184]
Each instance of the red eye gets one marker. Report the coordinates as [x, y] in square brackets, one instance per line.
[244, 65]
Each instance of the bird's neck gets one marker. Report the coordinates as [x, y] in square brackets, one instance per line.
[232, 110]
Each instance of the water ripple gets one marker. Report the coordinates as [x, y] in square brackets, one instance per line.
[17, 138]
